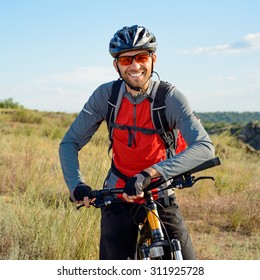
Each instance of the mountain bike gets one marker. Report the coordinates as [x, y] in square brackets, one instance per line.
[152, 241]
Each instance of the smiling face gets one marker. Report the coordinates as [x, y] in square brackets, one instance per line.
[138, 73]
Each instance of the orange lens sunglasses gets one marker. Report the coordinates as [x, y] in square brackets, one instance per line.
[128, 60]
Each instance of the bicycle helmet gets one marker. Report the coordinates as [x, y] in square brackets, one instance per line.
[132, 38]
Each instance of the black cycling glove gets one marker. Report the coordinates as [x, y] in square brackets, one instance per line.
[81, 191]
[136, 184]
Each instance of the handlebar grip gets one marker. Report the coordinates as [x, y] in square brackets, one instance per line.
[205, 165]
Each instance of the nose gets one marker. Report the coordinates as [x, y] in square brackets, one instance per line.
[135, 64]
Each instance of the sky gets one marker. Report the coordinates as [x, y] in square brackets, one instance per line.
[54, 53]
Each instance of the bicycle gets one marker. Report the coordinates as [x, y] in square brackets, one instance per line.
[152, 243]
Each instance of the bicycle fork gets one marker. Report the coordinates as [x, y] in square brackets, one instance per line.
[176, 246]
[155, 249]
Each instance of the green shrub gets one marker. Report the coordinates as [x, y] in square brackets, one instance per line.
[10, 104]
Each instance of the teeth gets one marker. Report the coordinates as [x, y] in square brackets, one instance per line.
[136, 75]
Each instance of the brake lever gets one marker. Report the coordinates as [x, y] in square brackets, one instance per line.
[203, 178]
[188, 182]
[92, 204]
[79, 206]
[99, 202]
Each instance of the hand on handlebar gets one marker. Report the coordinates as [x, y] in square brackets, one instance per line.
[82, 194]
[134, 187]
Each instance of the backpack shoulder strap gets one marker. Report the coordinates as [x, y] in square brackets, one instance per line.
[159, 106]
[112, 103]
[168, 134]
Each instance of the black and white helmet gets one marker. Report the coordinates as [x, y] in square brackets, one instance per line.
[132, 38]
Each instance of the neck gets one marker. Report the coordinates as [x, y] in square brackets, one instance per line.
[136, 91]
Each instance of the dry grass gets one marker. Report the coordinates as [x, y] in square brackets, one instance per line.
[38, 222]
[224, 216]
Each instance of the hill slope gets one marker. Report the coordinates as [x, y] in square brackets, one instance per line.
[38, 222]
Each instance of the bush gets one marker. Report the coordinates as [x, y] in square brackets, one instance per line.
[10, 104]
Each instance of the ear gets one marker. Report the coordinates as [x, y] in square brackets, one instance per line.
[115, 65]
[154, 57]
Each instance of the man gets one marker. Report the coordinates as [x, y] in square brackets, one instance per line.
[136, 155]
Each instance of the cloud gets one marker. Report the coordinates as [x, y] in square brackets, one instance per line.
[249, 43]
[65, 91]
[47, 98]
[80, 76]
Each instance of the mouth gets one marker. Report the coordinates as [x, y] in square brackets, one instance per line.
[136, 75]
[137, 80]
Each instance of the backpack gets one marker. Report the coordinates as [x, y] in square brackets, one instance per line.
[172, 138]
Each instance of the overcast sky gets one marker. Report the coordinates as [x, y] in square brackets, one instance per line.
[54, 53]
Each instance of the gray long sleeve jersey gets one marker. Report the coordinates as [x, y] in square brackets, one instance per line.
[178, 113]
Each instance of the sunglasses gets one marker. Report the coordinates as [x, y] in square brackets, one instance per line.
[128, 60]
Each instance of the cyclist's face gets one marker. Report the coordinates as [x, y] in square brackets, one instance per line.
[139, 71]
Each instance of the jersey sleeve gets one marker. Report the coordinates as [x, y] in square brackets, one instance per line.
[80, 133]
[199, 145]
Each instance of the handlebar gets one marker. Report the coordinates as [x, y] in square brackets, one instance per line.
[179, 178]
[106, 196]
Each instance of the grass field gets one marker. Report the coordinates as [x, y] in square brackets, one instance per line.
[38, 222]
